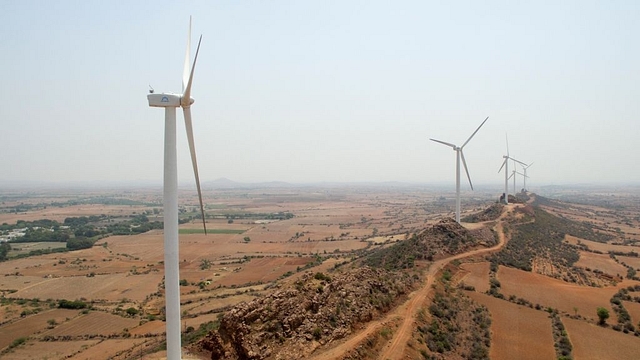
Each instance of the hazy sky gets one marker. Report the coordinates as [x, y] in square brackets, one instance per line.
[306, 91]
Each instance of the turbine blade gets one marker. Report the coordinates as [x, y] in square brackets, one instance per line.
[185, 71]
[465, 143]
[528, 166]
[465, 168]
[507, 138]
[192, 148]
[186, 95]
[510, 176]
[517, 161]
[445, 143]
[503, 163]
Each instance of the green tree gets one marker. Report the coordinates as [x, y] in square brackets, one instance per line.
[247, 239]
[4, 250]
[132, 311]
[603, 315]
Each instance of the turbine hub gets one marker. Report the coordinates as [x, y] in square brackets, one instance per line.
[183, 103]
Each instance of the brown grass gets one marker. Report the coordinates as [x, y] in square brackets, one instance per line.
[594, 342]
[517, 332]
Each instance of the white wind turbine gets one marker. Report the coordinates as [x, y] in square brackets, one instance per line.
[505, 165]
[513, 175]
[170, 102]
[460, 154]
[524, 177]
[524, 169]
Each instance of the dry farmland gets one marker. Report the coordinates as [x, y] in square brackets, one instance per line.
[594, 342]
[260, 239]
[557, 294]
[518, 332]
[249, 247]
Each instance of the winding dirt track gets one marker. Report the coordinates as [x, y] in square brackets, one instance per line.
[407, 311]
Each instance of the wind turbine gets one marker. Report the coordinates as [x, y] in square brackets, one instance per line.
[171, 101]
[524, 177]
[524, 169]
[505, 165]
[460, 154]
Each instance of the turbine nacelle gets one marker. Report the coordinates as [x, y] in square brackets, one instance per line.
[166, 100]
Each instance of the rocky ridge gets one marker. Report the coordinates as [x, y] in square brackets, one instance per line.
[316, 310]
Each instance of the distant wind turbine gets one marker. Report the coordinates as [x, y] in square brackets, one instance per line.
[505, 165]
[524, 169]
[524, 176]
[513, 175]
[170, 102]
[460, 154]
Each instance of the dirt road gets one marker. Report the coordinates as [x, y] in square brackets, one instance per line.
[407, 311]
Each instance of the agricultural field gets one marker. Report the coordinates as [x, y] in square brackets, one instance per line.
[556, 294]
[514, 328]
[602, 262]
[602, 247]
[594, 342]
[92, 324]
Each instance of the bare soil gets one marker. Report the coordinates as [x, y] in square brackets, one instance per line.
[592, 342]
[602, 262]
[517, 332]
[477, 275]
[40, 350]
[93, 323]
[557, 294]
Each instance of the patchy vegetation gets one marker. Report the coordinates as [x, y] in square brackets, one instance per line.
[543, 238]
[491, 213]
[447, 237]
[560, 337]
[456, 326]
[625, 323]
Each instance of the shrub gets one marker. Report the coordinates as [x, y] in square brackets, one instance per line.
[603, 315]
[74, 305]
[317, 333]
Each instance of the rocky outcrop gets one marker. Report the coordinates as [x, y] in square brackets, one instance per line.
[316, 310]
[447, 237]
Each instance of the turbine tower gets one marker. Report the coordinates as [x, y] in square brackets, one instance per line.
[513, 175]
[460, 154]
[505, 165]
[171, 101]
